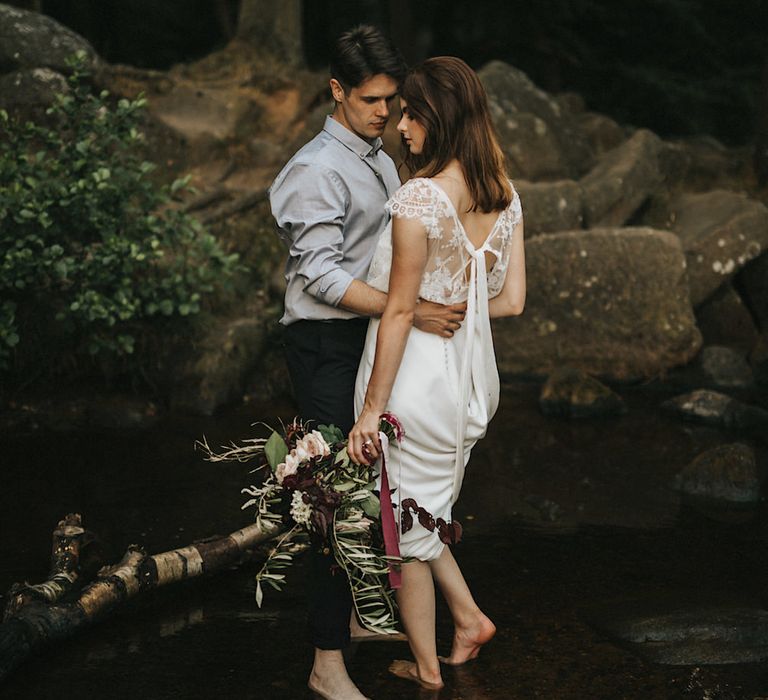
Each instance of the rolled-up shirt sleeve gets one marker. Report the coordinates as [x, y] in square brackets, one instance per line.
[310, 207]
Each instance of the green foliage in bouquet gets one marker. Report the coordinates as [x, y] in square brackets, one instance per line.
[319, 496]
[91, 254]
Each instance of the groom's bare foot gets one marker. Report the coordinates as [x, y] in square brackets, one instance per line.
[468, 640]
[409, 671]
[329, 678]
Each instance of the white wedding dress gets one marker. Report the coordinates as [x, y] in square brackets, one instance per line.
[447, 389]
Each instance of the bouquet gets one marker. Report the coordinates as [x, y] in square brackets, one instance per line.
[319, 496]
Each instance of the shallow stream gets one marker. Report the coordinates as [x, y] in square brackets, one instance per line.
[561, 518]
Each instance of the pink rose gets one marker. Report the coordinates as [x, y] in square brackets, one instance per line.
[286, 468]
[314, 445]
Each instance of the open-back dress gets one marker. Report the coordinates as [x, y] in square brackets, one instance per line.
[447, 389]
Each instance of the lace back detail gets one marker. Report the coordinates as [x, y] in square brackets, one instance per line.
[448, 248]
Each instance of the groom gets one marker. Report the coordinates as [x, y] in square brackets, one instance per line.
[328, 202]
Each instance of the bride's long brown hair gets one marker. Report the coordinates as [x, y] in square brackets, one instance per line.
[447, 98]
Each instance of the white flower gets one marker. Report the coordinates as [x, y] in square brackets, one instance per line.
[286, 468]
[300, 511]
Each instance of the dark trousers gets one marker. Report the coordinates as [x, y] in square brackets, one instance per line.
[322, 359]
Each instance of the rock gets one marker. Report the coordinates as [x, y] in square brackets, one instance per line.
[686, 634]
[622, 181]
[218, 368]
[721, 232]
[723, 319]
[550, 206]
[753, 284]
[31, 40]
[714, 408]
[701, 164]
[725, 473]
[602, 133]
[573, 393]
[611, 302]
[30, 89]
[537, 132]
[725, 367]
[195, 112]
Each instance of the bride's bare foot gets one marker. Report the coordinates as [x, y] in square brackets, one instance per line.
[408, 670]
[468, 640]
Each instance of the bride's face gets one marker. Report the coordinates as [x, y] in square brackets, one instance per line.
[412, 132]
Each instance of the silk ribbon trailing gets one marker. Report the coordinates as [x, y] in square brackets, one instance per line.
[388, 525]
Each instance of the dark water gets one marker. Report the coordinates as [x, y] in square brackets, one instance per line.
[559, 517]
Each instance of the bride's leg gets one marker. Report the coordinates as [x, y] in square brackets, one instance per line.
[416, 600]
[472, 627]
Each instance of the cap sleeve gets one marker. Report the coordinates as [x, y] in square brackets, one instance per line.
[414, 200]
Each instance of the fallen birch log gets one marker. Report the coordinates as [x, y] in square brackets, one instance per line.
[38, 615]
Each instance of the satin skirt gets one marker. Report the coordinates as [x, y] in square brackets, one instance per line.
[425, 398]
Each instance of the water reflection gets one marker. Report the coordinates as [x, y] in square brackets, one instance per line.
[560, 518]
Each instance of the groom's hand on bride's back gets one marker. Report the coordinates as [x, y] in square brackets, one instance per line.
[439, 319]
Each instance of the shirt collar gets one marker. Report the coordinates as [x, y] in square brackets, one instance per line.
[351, 140]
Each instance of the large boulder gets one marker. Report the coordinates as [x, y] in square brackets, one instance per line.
[721, 231]
[32, 88]
[612, 302]
[622, 181]
[538, 133]
[550, 206]
[32, 40]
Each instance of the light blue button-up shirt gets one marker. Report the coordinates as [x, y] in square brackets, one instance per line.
[328, 202]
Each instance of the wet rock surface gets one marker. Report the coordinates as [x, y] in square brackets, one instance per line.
[688, 634]
[572, 393]
[715, 408]
[724, 473]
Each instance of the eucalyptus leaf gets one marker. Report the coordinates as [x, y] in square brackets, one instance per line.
[276, 450]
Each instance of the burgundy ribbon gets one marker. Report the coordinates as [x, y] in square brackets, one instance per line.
[388, 526]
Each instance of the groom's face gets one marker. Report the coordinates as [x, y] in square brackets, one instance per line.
[365, 109]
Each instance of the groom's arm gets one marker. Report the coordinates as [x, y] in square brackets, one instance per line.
[429, 317]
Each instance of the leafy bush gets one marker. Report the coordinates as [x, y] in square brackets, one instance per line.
[92, 253]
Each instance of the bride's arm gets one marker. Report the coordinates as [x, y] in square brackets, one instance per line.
[409, 257]
[511, 300]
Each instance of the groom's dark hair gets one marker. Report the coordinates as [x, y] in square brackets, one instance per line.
[362, 52]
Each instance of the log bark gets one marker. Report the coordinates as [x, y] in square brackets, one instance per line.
[37, 616]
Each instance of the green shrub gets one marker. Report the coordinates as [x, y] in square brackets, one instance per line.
[92, 252]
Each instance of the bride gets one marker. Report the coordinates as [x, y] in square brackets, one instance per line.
[456, 235]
